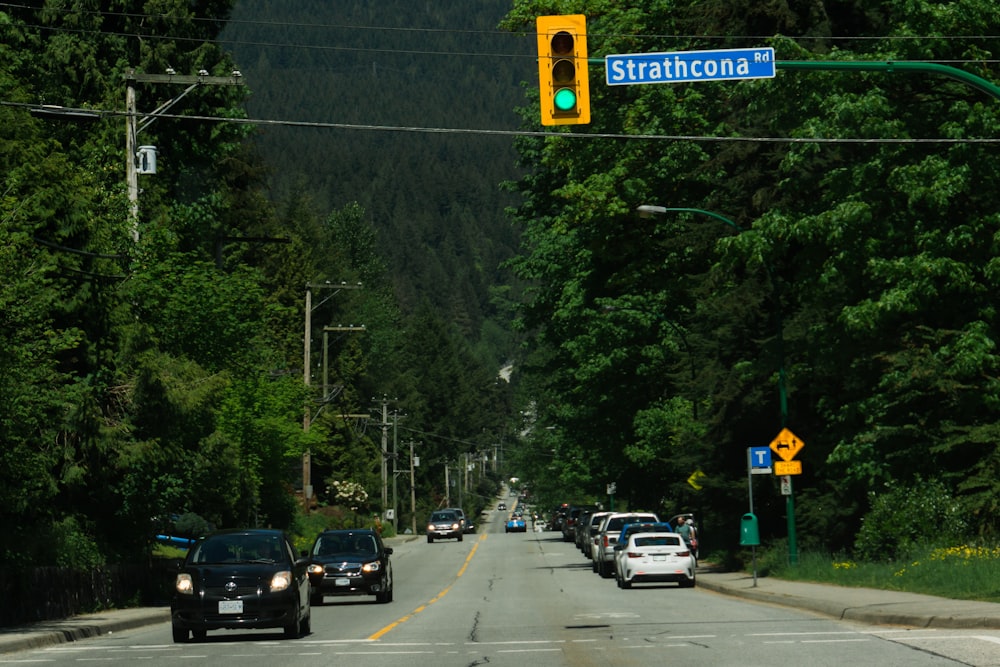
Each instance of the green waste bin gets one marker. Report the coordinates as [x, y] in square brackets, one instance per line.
[749, 533]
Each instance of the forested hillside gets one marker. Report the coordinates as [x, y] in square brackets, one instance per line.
[384, 69]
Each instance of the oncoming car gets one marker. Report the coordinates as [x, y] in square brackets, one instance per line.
[444, 524]
[656, 557]
[350, 562]
[516, 524]
[241, 579]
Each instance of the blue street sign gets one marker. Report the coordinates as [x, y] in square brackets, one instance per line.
[688, 66]
[760, 457]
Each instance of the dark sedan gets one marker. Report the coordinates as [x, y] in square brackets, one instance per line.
[241, 579]
[350, 562]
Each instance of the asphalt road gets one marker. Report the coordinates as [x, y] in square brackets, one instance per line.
[512, 599]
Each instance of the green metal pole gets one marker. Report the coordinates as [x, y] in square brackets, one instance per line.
[976, 82]
[793, 549]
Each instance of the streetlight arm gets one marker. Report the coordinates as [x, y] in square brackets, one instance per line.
[649, 210]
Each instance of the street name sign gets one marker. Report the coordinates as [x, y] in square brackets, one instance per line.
[688, 66]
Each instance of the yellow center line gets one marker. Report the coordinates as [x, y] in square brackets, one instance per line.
[461, 571]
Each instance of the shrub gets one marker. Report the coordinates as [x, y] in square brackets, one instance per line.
[903, 518]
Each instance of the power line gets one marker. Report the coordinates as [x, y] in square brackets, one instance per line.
[537, 134]
[298, 26]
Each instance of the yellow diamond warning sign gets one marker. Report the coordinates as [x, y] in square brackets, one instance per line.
[786, 445]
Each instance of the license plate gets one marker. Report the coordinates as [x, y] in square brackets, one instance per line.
[659, 558]
[342, 581]
[230, 606]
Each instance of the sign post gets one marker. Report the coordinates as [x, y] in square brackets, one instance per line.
[787, 445]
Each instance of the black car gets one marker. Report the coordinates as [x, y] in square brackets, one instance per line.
[350, 562]
[241, 579]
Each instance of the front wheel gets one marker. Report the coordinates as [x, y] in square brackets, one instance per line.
[430, 540]
[460, 537]
[180, 635]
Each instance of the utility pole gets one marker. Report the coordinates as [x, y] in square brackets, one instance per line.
[384, 452]
[307, 376]
[447, 486]
[413, 493]
[134, 124]
[307, 335]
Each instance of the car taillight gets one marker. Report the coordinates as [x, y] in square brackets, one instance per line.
[605, 541]
[634, 554]
[683, 553]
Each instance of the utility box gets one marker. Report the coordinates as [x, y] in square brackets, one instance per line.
[749, 532]
[146, 160]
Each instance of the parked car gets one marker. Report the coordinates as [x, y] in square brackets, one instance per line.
[516, 524]
[241, 579]
[630, 529]
[656, 557]
[585, 537]
[350, 562]
[558, 516]
[444, 524]
[607, 537]
[572, 517]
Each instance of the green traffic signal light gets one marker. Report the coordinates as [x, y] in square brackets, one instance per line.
[562, 70]
[565, 99]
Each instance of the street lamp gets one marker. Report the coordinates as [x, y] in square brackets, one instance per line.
[648, 211]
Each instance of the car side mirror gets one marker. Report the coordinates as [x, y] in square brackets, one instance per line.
[388, 551]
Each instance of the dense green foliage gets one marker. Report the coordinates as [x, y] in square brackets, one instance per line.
[855, 277]
[158, 384]
[860, 264]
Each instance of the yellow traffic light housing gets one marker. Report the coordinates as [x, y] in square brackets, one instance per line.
[563, 81]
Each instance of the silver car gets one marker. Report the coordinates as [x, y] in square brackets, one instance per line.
[444, 524]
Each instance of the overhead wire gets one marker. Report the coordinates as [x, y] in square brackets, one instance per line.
[534, 133]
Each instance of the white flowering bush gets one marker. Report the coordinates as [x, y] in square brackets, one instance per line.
[351, 494]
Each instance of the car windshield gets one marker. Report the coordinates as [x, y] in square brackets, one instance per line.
[238, 549]
[345, 543]
[443, 516]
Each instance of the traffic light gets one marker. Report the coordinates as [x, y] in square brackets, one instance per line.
[562, 69]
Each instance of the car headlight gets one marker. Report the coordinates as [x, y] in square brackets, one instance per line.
[184, 584]
[430, 528]
[371, 567]
[316, 568]
[454, 526]
[280, 581]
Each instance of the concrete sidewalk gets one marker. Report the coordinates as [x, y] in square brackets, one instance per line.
[865, 605]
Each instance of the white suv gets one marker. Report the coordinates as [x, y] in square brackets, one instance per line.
[607, 536]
